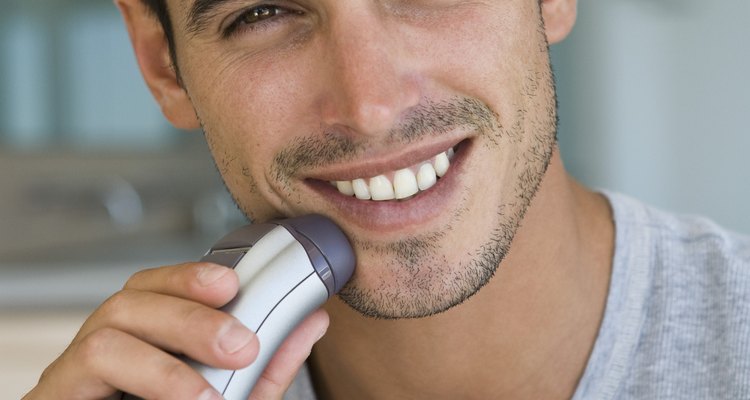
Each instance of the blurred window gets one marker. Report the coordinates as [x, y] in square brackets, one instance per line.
[68, 78]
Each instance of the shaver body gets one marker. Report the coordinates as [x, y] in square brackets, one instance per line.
[287, 269]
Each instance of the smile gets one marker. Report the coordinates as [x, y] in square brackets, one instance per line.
[401, 184]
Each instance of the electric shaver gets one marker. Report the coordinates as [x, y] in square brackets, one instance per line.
[287, 269]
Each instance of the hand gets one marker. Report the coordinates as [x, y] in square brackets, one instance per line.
[128, 343]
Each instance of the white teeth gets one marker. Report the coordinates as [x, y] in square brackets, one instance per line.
[442, 164]
[381, 188]
[345, 187]
[361, 190]
[405, 184]
[426, 177]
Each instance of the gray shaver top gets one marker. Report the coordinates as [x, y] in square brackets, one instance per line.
[317, 232]
[326, 245]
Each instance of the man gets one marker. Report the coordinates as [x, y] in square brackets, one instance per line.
[426, 130]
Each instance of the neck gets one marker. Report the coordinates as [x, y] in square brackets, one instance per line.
[527, 334]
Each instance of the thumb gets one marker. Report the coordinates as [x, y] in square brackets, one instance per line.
[283, 367]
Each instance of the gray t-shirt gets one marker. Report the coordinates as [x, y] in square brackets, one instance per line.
[677, 319]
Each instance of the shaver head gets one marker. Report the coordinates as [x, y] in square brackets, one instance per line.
[326, 245]
[322, 238]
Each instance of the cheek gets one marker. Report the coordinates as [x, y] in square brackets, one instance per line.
[249, 111]
[489, 55]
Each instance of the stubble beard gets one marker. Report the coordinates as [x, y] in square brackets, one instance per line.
[419, 280]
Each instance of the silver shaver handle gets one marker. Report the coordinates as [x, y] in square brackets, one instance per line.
[286, 271]
[278, 288]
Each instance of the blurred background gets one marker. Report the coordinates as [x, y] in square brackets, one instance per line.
[654, 101]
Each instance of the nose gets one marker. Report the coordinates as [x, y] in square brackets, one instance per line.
[370, 83]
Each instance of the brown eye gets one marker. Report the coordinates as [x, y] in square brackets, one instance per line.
[258, 14]
[258, 18]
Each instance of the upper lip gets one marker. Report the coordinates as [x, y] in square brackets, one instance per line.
[383, 162]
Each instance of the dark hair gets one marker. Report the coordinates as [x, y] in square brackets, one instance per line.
[160, 11]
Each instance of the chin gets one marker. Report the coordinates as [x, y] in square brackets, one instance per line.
[422, 276]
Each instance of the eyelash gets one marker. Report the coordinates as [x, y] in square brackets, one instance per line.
[262, 21]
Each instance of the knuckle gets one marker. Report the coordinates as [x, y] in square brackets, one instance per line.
[206, 316]
[275, 385]
[48, 372]
[116, 303]
[271, 388]
[90, 348]
[189, 281]
[207, 319]
[175, 372]
[116, 307]
[183, 279]
[177, 381]
[176, 276]
[197, 316]
[137, 277]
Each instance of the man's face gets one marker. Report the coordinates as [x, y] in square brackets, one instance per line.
[302, 93]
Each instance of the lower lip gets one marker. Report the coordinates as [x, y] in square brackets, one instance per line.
[395, 215]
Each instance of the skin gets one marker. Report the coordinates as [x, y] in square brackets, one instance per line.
[356, 88]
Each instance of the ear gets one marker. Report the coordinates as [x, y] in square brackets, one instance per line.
[559, 17]
[152, 51]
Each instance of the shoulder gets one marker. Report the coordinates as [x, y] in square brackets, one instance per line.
[685, 240]
[685, 282]
[692, 272]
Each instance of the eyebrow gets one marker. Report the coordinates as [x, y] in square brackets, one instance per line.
[201, 12]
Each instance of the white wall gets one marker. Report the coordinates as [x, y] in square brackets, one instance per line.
[655, 99]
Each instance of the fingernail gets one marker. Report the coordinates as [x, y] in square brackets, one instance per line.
[236, 337]
[210, 394]
[209, 274]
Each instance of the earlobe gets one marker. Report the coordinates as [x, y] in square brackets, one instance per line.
[559, 17]
[152, 52]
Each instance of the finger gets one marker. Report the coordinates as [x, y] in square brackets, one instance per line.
[179, 326]
[108, 360]
[290, 356]
[210, 284]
